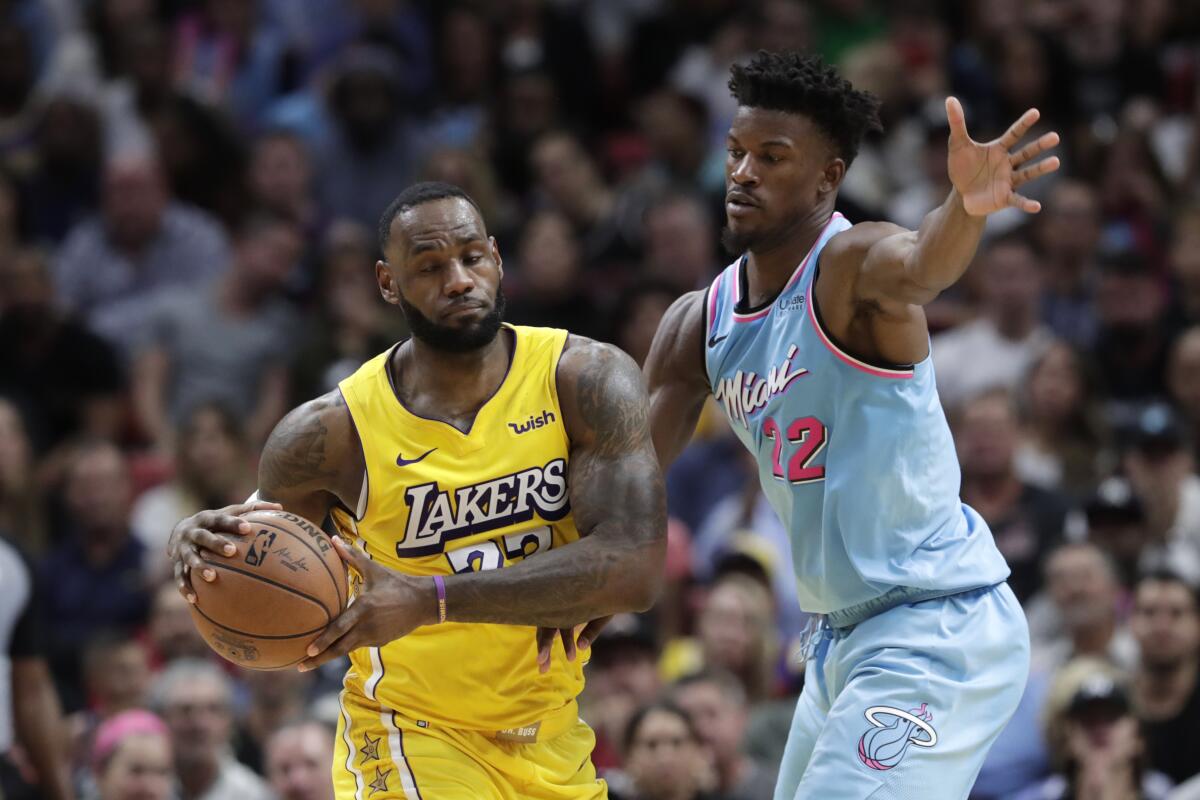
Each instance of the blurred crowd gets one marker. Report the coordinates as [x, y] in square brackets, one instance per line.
[188, 193]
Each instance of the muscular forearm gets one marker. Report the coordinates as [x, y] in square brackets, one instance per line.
[594, 577]
[39, 727]
[944, 245]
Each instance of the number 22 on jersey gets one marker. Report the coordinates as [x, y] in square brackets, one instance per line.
[808, 433]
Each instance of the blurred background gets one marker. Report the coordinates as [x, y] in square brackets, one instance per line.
[188, 192]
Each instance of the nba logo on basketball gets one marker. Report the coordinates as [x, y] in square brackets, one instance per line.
[884, 745]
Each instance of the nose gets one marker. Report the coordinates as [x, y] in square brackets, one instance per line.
[743, 173]
[459, 279]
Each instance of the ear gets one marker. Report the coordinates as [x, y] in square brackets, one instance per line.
[496, 255]
[831, 177]
[387, 283]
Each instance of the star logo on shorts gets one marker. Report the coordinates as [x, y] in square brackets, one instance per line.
[370, 748]
[380, 782]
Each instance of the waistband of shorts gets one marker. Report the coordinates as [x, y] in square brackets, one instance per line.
[898, 596]
[548, 727]
[553, 724]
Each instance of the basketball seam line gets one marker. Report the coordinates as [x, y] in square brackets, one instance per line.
[278, 585]
[320, 557]
[280, 638]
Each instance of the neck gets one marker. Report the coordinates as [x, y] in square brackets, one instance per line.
[770, 266]
[1094, 640]
[731, 770]
[197, 777]
[1165, 687]
[450, 385]
[239, 295]
[1014, 326]
[100, 546]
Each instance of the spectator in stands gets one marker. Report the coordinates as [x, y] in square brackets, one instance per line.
[1067, 232]
[622, 677]
[1063, 433]
[1166, 685]
[549, 271]
[736, 632]
[718, 708]
[1183, 377]
[373, 148]
[131, 758]
[665, 758]
[640, 308]
[297, 761]
[280, 176]
[226, 55]
[681, 242]
[66, 380]
[998, 348]
[64, 186]
[29, 710]
[569, 181]
[212, 470]
[1131, 342]
[116, 679]
[1184, 260]
[1083, 591]
[21, 512]
[195, 699]
[675, 126]
[276, 699]
[1116, 523]
[171, 635]
[95, 580]
[1026, 521]
[17, 112]
[352, 323]
[1101, 751]
[229, 344]
[1159, 464]
[110, 266]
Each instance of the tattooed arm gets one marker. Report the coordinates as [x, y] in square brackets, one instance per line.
[617, 497]
[311, 461]
[619, 502]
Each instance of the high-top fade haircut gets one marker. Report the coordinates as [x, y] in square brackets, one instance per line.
[415, 195]
[795, 83]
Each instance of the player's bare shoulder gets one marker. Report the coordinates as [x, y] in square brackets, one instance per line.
[314, 448]
[678, 348]
[603, 396]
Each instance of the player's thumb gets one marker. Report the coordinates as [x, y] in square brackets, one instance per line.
[956, 119]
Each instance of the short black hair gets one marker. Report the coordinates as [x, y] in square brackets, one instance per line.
[665, 706]
[1164, 574]
[800, 84]
[415, 195]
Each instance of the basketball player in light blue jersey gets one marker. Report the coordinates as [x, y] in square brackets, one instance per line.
[814, 343]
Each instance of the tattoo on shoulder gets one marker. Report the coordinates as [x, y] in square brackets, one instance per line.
[612, 402]
[295, 453]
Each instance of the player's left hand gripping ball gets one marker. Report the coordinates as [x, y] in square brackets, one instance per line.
[388, 606]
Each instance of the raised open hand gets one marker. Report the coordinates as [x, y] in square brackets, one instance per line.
[987, 174]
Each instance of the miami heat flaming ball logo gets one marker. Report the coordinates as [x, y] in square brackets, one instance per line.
[884, 745]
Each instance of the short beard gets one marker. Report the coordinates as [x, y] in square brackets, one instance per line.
[735, 244]
[447, 339]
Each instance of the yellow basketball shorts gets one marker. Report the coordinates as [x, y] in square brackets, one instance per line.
[381, 755]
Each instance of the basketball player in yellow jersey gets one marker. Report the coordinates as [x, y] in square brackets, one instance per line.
[494, 479]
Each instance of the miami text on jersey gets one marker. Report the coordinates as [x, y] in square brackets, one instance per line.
[746, 392]
[436, 518]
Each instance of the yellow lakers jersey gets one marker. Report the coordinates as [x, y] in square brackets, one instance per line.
[440, 501]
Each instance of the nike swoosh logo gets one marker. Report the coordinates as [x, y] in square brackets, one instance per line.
[713, 341]
[401, 461]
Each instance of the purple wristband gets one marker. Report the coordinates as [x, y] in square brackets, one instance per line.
[441, 595]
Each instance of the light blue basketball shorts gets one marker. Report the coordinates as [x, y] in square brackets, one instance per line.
[906, 703]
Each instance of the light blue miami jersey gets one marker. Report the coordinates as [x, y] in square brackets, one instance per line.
[856, 459]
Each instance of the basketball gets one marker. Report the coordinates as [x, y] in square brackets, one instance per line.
[274, 596]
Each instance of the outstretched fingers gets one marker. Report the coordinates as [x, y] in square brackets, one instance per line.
[1024, 203]
[1036, 171]
[1019, 128]
[1033, 149]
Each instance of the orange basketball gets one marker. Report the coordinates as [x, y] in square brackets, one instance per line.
[274, 596]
